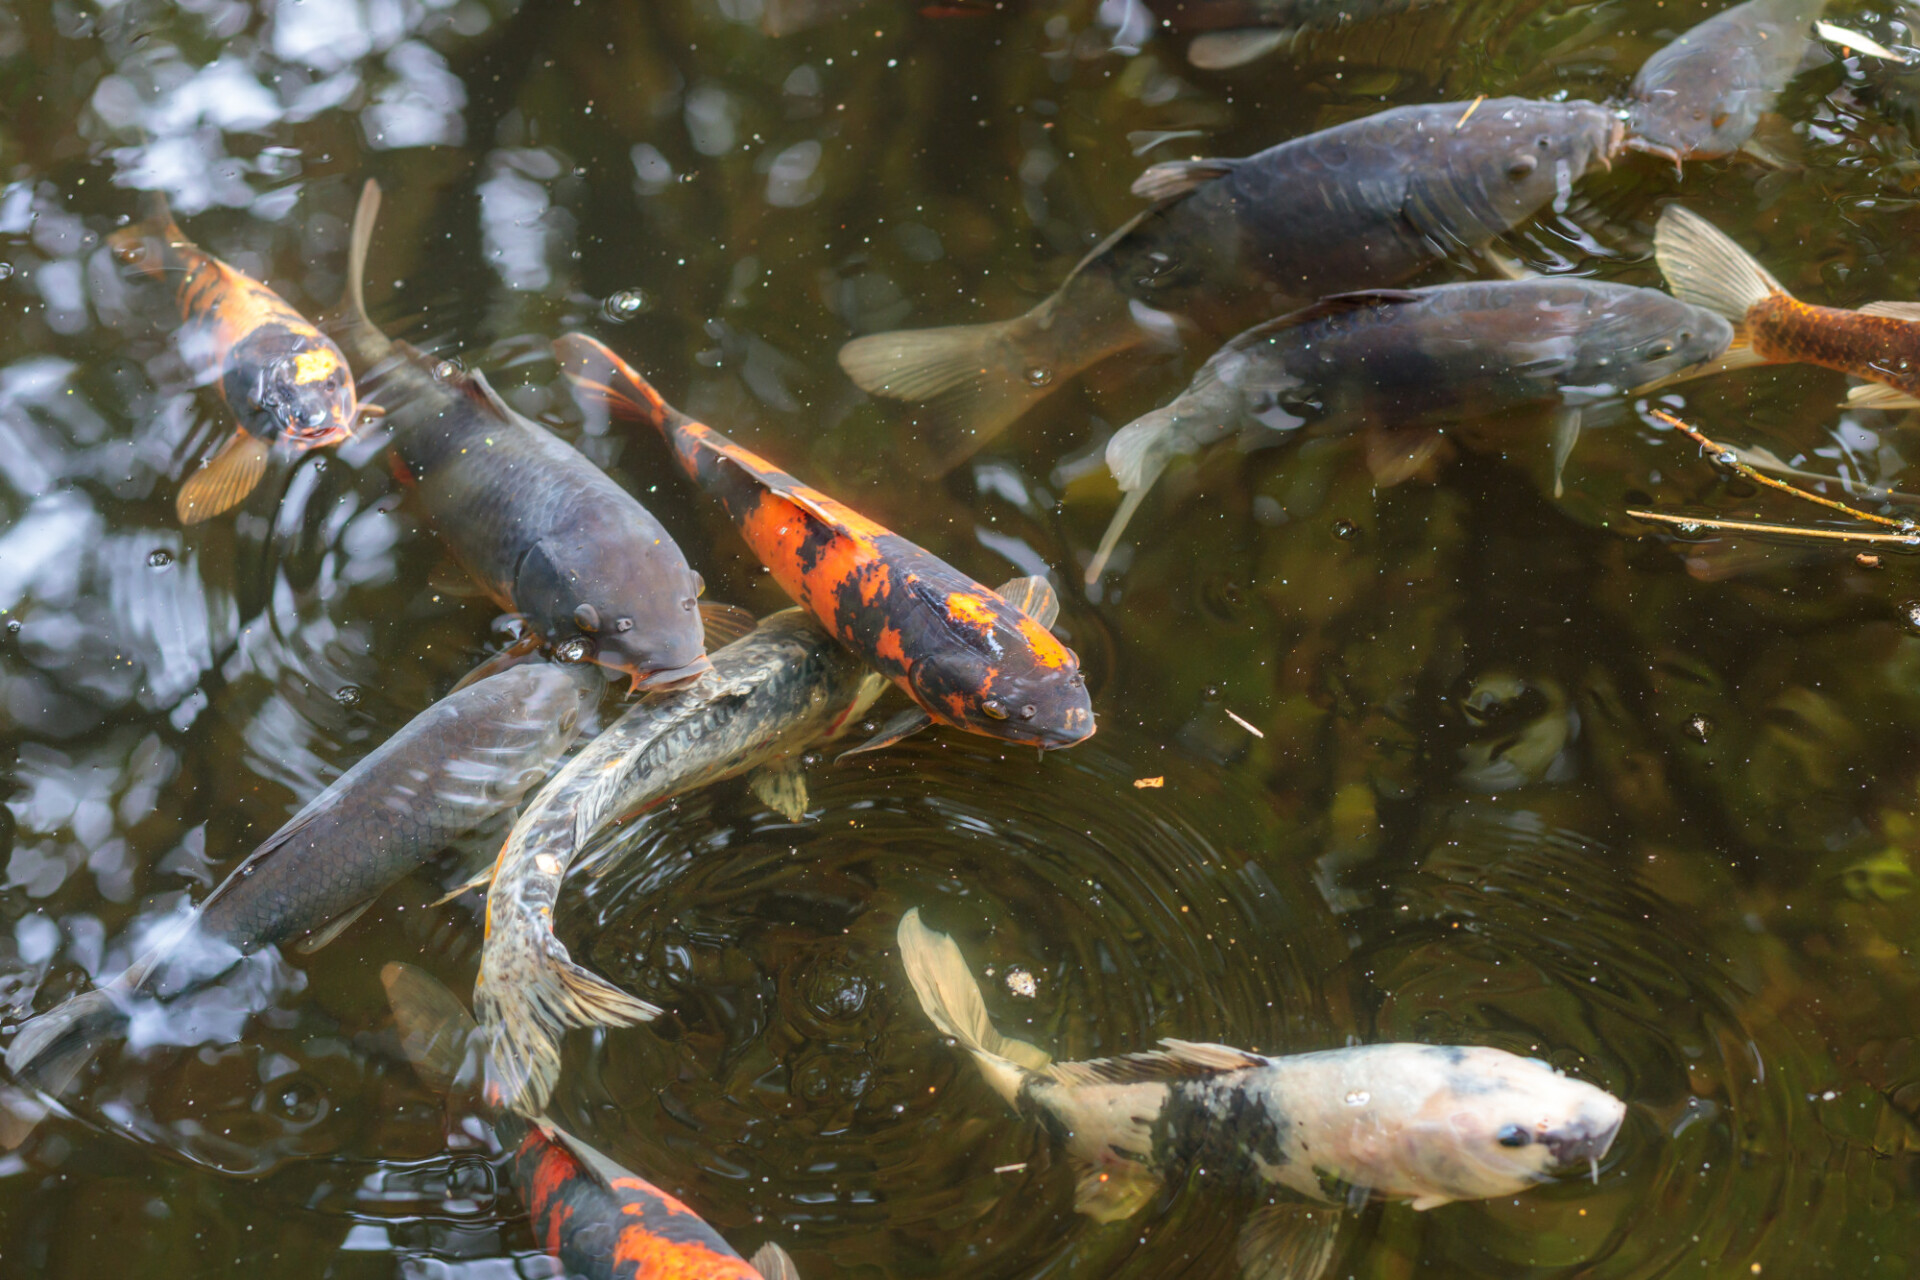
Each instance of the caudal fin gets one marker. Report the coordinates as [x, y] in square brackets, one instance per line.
[599, 374]
[528, 994]
[50, 1050]
[951, 1000]
[1705, 267]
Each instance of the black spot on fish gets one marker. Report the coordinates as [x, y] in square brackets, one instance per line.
[1221, 1124]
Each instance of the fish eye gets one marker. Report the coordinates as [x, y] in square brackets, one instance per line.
[587, 618]
[993, 707]
[623, 625]
[1513, 1136]
[1522, 166]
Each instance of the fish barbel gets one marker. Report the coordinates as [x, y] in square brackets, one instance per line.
[1429, 1124]
[966, 655]
[466, 758]
[1419, 356]
[283, 379]
[598, 1220]
[539, 526]
[1880, 342]
[1231, 241]
[1701, 96]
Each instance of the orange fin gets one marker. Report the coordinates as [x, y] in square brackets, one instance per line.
[604, 377]
[226, 479]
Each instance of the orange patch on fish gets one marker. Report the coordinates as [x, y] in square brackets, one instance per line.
[1047, 649]
[889, 646]
[654, 1258]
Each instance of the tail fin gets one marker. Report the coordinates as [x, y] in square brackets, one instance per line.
[1136, 455]
[1706, 268]
[951, 1000]
[50, 1050]
[434, 1025]
[772, 1262]
[601, 375]
[528, 994]
[979, 378]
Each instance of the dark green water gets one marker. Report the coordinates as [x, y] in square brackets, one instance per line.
[1524, 780]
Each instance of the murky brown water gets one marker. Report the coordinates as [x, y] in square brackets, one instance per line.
[1525, 781]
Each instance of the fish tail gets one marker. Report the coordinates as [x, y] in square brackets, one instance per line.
[1136, 455]
[601, 375]
[50, 1050]
[951, 999]
[524, 1014]
[1705, 267]
[979, 378]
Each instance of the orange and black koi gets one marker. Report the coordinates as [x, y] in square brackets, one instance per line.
[967, 656]
[283, 379]
[599, 1220]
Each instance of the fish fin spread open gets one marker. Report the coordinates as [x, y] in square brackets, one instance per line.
[1171, 179]
[600, 375]
[1112, 1192]
[1175, 1060]
[1033, 596]
[524, 1023]
[225, 480]
[1878, 395]
[781, 785]
[1395, 455]
[314, 941]
[772, 1262]
[1893, 310]
[724, 623]
[1288, 1241]
[951, 1000]
[433, 1024]
[1774, 144]
[1223, 50]
[1421, 1204]
[48, 1051]
[1705, 267]
[1566, 434]
[904, 725]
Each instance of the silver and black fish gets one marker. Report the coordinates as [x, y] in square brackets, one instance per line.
[771, 694]
[1230, 241]
[1418, 356]
[463, 760]
[544, 531]
[1701, 96]
[1429, 1124]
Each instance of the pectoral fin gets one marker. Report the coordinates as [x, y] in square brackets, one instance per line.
[1111, 1194]
[225, 481]
[1566, 434]
[520, 651]
[1878, 395]
[904, 725]
[1220, 50]
[724, 623]
[772, 1262]
[781, 785]
[314, 941]
[1290, 1241]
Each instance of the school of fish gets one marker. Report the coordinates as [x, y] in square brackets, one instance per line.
[1308, 269]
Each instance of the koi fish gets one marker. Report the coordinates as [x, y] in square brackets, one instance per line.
[964, 654]
[1229, 242]
[1880, 342]
[1701, 96]
[283, 379]
[545, 532]
[1429, 1124]
[597, 1219]
[1409, 356]
[466, 758]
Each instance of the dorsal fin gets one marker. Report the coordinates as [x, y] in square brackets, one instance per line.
[1893, 310]
[1033, 596]
[1174, 178]
[1332, 305]
[1176, 1060]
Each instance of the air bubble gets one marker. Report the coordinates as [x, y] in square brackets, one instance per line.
[577, 649]
[6, 271]
[625, 305]
[1699, 728]
[159, 558]
[1039, 376]
[1345, 530]
[13, 626]
[446, 370]
[1910, 613]
[348, 695]
[1358, 1098]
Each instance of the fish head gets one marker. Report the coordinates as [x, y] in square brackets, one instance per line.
[1640, 337]
[630, 605]
[1510, 158]
[1678, 336]
[144, 247]
[292, 386]
[1492, 1123]
[1698, 99]
[993, 670]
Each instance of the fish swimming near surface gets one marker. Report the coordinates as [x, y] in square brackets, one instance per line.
[1702, 96]
[284, 380]
[776, 692]
[543, 530]
[1880, 342]
[966, 655]
[1429, 1124]
[1229, 242]
[460, 762]
[1420, 356]
[598, 1220]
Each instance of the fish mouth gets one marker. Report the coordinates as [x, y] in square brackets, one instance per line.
[669, 677]
[1583, 1143]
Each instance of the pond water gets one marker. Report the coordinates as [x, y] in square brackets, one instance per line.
[1524, 775]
